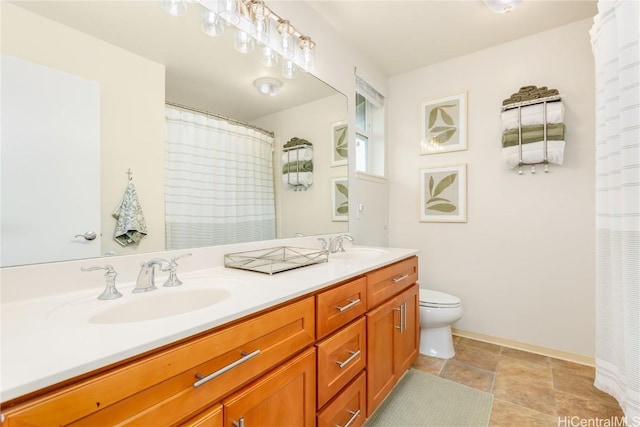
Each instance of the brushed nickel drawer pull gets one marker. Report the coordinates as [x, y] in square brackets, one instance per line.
[401, 278]
[352, 302]
[354, 354]
[239, 423]
[354, 415]
[245, 356]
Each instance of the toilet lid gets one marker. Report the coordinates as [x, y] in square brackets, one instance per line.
[432, 298]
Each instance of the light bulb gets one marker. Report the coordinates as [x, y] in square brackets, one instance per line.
[212, 24]
[229, 12]
[286, 39]
[289, 69]
[260, 17]
[243, 42]
[269, 57]
[174, 7]
[308, 52]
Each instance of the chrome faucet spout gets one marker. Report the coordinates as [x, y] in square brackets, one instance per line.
[336, 244]
[146, 277]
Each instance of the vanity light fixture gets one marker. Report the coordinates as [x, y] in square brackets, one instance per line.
[502, 6]
[268, 85]
[256, 23]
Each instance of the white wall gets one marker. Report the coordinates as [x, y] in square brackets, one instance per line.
[131, 112]
[307, 212]
[523, 264]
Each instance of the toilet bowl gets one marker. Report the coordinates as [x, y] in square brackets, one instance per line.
[438, 310]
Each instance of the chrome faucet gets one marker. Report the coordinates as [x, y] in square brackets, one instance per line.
[335, 244]
[173, 280]
[110, 291]
[146, 277]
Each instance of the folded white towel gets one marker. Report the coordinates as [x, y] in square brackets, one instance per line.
[301, 154]
[533, 115]
[303, 178]
[534, 153]
[131, 227]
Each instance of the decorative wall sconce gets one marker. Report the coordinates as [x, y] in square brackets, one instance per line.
[256, 23]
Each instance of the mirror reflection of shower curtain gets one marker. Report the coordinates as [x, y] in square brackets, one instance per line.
[218, 182]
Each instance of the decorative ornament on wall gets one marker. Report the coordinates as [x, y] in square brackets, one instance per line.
[443, 124]
[443, 194]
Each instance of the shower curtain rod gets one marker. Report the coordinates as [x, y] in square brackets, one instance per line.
[218, 116]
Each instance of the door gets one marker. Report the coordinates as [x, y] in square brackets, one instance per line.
[381, 330]
[407, 338]
[285, 397]
[50, 137]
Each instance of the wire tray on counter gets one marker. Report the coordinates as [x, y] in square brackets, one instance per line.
[275, 260]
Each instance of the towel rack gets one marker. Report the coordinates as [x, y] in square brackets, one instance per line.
[519, 105]
[293, 159]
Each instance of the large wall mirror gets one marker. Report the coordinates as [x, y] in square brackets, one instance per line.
[133, 58]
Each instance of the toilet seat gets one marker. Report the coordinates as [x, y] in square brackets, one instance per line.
[437, 299]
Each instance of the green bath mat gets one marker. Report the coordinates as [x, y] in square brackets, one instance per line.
[422, 400]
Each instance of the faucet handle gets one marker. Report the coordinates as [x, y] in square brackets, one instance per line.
[173, 280]
[324, 243]
[110, 291]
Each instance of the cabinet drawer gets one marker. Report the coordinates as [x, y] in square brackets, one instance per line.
[388, 281]
[340, 358]
[348, 408]
[340, 305]
[161, 389]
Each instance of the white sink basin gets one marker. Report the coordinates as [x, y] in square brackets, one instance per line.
[196, 293]
[359, 253]
[160, 305]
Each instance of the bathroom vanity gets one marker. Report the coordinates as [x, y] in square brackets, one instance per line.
[323, 348]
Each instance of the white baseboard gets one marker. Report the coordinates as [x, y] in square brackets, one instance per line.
[558, 354]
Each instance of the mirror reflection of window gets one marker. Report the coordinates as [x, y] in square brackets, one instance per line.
[370, 132]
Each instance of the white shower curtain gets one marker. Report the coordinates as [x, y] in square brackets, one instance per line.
[615, 41]
[218, 182]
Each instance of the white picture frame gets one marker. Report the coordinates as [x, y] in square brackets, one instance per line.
[340, 199]
[339, 144]
[443, 124]
[443, 194]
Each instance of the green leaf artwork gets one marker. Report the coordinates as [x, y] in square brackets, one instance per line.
[343, 207]
[440, 204]
[443, 133]
[341, 142]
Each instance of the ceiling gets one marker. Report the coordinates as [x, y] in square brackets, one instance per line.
[397, 36]
[400, 36]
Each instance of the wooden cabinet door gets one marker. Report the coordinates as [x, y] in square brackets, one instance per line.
[284, 397]
[381, 354]
[406, 340]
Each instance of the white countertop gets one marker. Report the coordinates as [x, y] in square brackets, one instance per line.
[50, 339]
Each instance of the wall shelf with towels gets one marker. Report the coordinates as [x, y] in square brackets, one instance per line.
[297, 164]
[533, 128]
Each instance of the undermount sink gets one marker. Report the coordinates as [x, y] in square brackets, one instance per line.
[196, 293]
[352, 253]
[161, 305]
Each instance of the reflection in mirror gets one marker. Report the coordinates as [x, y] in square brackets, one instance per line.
[149, 58]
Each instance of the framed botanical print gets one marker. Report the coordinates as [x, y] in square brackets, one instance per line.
[443, 124]
[339, 144]
[443, 194]
[340, 199]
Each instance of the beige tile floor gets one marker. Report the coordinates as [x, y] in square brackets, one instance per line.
[529, 390]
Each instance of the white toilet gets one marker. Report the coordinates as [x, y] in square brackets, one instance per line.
[438, 311]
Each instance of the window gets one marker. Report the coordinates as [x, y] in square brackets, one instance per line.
[370, 137]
